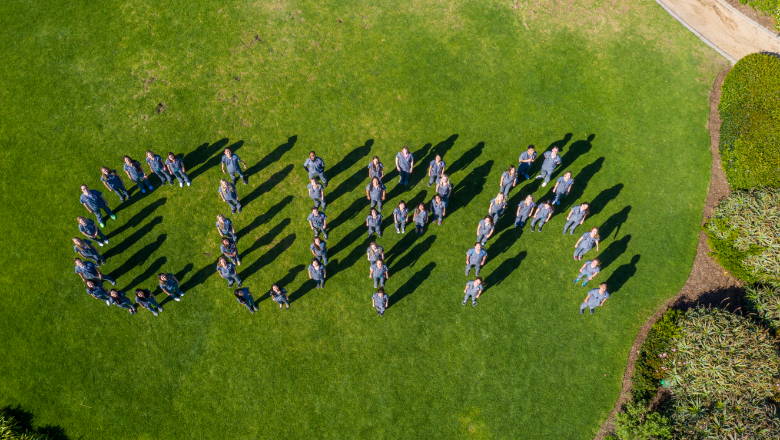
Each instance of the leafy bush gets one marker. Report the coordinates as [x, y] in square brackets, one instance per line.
[655, 355]
[636, 422]
[764, 301]
[771, 7]
[744, 234]
[723, 377]
[750, 128]
[10, 429]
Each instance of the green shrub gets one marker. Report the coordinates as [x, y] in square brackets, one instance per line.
[723, 378]
[636, 422]
[10, 429]
[750, 128]
[744, 234]
[771, 7]
[655, 355]
[764, 301]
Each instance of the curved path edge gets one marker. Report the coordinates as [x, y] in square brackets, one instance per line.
[708, 283]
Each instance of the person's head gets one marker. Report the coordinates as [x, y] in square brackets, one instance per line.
[226, 241]
[478, 281]
[438, 158]
[220, 218]
[79, 242]
[375, 181]
[445, 179]
[603, 287]
[421, 207]
[402, 204]
[567, 175]
[128, 160]
[85, 189]
[531, 148]
[584, 207]
[595, 262]
[554, 151]
[149, 154]
[477, 245]
[313, 182]
[314, 210]
[105, 171]
[529, 199]
[379, 262]
[276, 288]
[548, 204]
[405, 149]
[315, 262]
[162, 277]
[172, 157]
[312, 155]
[511, 169]
[114, 293]
[141, 292]
[239, 293]
[488, 219]
[222, 261]
[375, 160]
[228, 153]
[594, 232]
[90, 284]
[372, 245]
[373, 212]
[500, 198]
[437, 198]
[317, 241]
[78, 261]
[223, 183]
[82, 220]
[381, 291]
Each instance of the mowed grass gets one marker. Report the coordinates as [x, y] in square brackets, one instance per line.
[622, 88]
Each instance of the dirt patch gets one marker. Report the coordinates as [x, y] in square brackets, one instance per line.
[765, 20]
[708, 284]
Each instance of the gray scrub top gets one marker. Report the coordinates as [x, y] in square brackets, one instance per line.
[526, 210]
[380, 302]
[323, 250]
[596, 298]
[550, 162]
[542, 212]
[314, 193]
[227, 271]
[484, 227]
[587, 241]
[471, 287]
[375, 192]
[231, 162]
[317, 274]
[317, 220]
[156, 162]
[93, 199]
[590, 270]
[314, 166]
[373, 255]
[436, 169]
[134, 173]
[404, 162]
[476, 257]
[374, 221]
[563, 185]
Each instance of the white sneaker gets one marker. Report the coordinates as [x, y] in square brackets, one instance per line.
[188, 184]
[106, 241]
[181, 185]
[177, 299]
[181, 293]
[544, 184]
[108, 303]
[101, 244]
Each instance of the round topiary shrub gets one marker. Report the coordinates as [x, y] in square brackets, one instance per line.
[750, 128]
[744, 234]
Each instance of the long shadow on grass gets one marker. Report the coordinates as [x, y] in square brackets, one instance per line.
[350, 159]
[501, 244]
[577, 149]
[348, 185]
[180, 275]
[136, 196]
[473, 184]
[613, 251]
[265, 217]
[413, 256]
[139, 257]
[359, 205]
[149, 272]
[401, 246]
[199, 277]
[466, 159]
[25, 422]
[289, 278]
[271, 157]
[268, 257]
[207, 156]
[600, 201]
[267, 238]
[614, 222]
[268, 185]
[441, 149]
[133, 238]
[138, 217]
[622, 274]
[412, 284]
[420, 168]
[499, 274]
[580, 183]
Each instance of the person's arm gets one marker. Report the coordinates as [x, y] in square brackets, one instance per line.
[411, 165]
[183, 169]
[83, 280]
[387, 301]
[310, 274]
[324, 275]
[587, 298]
[592, 276]
[569, 216]
[312, 252]
[168, 166]
[467, 288]
[444, 211]
[490, 234]
[324, 223]
[603, 301]
[549, 216]
[430, 168]
[483, 260]
[501, 182]
[578, 242]
[366, 222]
[583, 267]
[441, 173]
[128, 175]
[368, 194]
[311, 225]
[384, 192]
[396, 164]
[467, 262]
[583, 218]
[373, 302]
[222, 195]
[387, 273]
[242, 163]
[555, 187]
[223, 167]
[100, 274]
[569, 190]
[381, 171]
[371, 271]
[395, 217]
[477, 229]
[105, 184]
[597, 245]
[479, 292]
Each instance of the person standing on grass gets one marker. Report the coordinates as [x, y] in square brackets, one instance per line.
[542, 216]
[588, 271]
[85, 249]
[225, 228]
[379, 301]
[114, 183]
[485, 229]
[158, 167]
[320, 250]
[97, 291]
[473, 290]
[229, 195]
[586, 242]
[373, 253]
[316, 167]
[244, 297]
[444, 189]
[524, 210]
[526, 160]
[94, 201]
[136, 173]
[436, 170]
[88, 228]
[145, 299]
[228, 249]
[497, 206]
[233, 169]
[316, 193]
[576, 217]
[438, 209]
[227, 271]
[400, 217]
[475, 257]
[279, 295]
[375, 193]
[595, 298]
[562, 187]
[170, 285]
[420, 218]
[176, 168]
[379, 273]
[404, 163]
[376, 169]
[508, 181]
[120, 300]
[374, 223]
[551, 161]
[317, 273]
[86, 270]
[318, 222]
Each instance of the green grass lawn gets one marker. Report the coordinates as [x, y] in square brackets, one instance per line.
[622, 87]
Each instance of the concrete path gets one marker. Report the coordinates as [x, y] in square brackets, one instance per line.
[722, 27]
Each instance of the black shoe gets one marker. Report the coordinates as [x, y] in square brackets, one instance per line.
[464, 303]
[232, 211]
[581, 311]
[591, 311]
[246, 182]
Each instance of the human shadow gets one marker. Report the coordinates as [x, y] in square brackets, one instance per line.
[414, 254]
[579, 185]
[346, 186]
[603, 198]
[287, 279]
[184, 271]
[465, 159]
[622, 274]
[441, 149]
[267, 258]
[207, 156]
[499, 274]
[200, 276]
[401, 246]
[614, 222]
[350, 159]
[360, 231]
[560, 143]
[133, 238]
[577, 149]
[268, 185]
[135, 196]
[264, 218]
[469, 187]
[335, 266]
[139, 257]
[266, 239]
[304, 288]
[138, 217]
[149, 272]
[24, 421]
[411, 285]
[500, 244]
[271, 157]
[360, 204]
[614, 251]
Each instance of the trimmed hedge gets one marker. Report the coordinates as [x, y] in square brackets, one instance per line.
[750, 128]
[744, 234]
[771, 7]
[654, 357]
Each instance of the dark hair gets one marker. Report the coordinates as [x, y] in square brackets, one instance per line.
[134, 163]
[159, 276]
[224, 239]
[314, 259]
[478, 279]
[587, 210]
[603, 284]
[373, 210]
[511, 167]
[312, 152]
[378, 260]
[276, 285]
[170, 153]
[314, 243]
[477, 243]
[402, 201]
[238, 293]
[381, 290]
[143, 293]
[531, 146]
[314, 208]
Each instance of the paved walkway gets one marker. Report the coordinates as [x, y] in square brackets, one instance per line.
[722, 27]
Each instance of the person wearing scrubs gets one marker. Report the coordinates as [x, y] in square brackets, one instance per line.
[436, 170]
[170, 285]
[562, 187]
[120, 300]
[320, 250]
[114, 183]
[279, 295]
[595, 298]
[228, 249]
[379, 273]
[376, 169]
[97, 291]
[524, 210]
[157, 165]
[473, 290]
[400, 217]
[229, 195]
[94, 201]
[542, 216]
[588, 271]
[85, 249]
[420, 218]
[244, 297]
[317, 222]
[475, 257]
[586, 243]
[373, 253]
[485, 229]
[227, 271]
[497, 206]
[233, 168]
[317, 273]
[86, 270]
[438, 209]
[88, 228]
[508, 181]
[444, 189]
[374, 223]
[176, 168]
[136, 173]
[375, 193]
[379, 301]
[404, 163]
[145, 299]
[316, 167]
[551, 161]
[316, 193]
[576, 217]
[526, 160]
[225, 228]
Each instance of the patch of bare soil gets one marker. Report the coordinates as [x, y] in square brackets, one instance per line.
[708, 284]
[765, 20]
